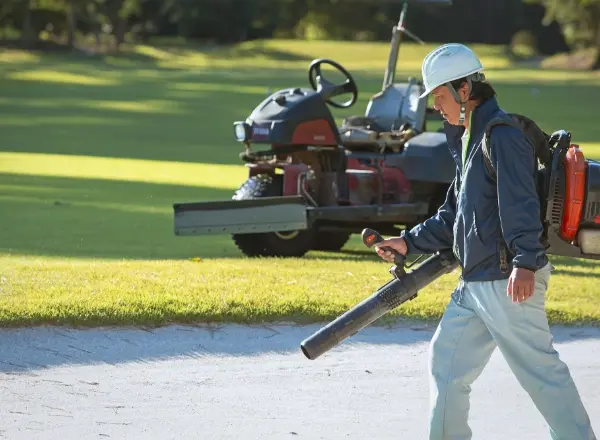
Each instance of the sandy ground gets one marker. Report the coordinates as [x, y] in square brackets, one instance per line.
[237, 382]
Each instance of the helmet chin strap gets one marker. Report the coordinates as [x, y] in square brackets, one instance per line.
[478, 76]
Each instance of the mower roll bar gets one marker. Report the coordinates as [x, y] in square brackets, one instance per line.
[397, 31]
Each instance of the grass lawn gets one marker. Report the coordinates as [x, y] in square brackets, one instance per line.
[95, 150]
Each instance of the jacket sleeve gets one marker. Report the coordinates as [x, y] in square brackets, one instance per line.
[519, 207]
[437, 232]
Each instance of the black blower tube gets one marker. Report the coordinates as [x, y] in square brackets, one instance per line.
[402, 288]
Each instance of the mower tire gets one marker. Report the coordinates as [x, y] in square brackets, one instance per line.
[270, 244]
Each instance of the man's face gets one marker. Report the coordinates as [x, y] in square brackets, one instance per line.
[444, 102]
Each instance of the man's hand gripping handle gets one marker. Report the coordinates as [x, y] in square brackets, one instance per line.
[371, 238]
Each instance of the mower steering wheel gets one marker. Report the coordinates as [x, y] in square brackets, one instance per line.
[326, 89]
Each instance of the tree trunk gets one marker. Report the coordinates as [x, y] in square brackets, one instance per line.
[71, 24]
[112, 11]
[119, 32]
[596, 63]
[97, 32]
[27, 31]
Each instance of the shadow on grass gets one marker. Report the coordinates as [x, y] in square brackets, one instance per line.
[187, 115]
[151, 120]
[130, 56]
[155, 53]
[344, 254]
[355, 254]
[95, 218]
[257, 49]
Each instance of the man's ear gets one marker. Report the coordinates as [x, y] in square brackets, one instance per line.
[464, 92]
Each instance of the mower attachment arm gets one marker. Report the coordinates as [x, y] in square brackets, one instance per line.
[389, 296]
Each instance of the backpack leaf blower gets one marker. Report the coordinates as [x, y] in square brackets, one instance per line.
[570, 207]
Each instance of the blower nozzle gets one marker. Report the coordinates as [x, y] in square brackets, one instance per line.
[404, 287]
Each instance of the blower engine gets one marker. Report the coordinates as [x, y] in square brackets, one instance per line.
[571, 203]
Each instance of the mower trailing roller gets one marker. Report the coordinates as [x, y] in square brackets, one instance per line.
[279, 214]
[267, 214]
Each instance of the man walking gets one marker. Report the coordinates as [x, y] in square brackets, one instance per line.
[494, 228]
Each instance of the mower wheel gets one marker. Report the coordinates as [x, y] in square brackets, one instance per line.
[270, 244]
[331, 241]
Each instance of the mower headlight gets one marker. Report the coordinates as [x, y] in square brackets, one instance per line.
[243, 131]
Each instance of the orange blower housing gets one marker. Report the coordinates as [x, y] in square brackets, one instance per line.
[575, 170]
[573, 203]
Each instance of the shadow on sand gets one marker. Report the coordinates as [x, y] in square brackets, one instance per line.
[23, 351]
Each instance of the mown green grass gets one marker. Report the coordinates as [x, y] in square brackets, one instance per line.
[80, 291]
[94, 151]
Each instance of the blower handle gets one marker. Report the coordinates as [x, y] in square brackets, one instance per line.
[371, 238]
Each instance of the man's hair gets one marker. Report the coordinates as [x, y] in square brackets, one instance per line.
[480, 91]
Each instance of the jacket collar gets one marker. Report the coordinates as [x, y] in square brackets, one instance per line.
[481, 115]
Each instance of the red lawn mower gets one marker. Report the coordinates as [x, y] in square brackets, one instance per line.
[314, 184]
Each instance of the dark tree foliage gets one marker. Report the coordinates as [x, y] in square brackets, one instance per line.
[231, 21]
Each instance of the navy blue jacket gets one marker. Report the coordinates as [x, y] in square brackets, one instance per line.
[490, 228]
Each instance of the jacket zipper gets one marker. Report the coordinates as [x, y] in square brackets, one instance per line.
[503, 258]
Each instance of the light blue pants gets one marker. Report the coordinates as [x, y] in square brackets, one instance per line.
[479, 318]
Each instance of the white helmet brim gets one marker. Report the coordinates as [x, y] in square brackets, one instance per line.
[447, 63]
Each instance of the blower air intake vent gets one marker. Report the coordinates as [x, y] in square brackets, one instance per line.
[592, 210]
[558, 199]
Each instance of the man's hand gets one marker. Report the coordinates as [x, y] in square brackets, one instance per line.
[520, 284]
[396, 243]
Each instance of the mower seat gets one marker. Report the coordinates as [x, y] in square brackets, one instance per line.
[359, 133]
[397, 105]
[393, 116]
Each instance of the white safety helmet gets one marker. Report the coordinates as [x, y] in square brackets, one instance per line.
[448, 63]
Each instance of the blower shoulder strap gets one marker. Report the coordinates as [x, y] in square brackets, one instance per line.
[506, 119]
